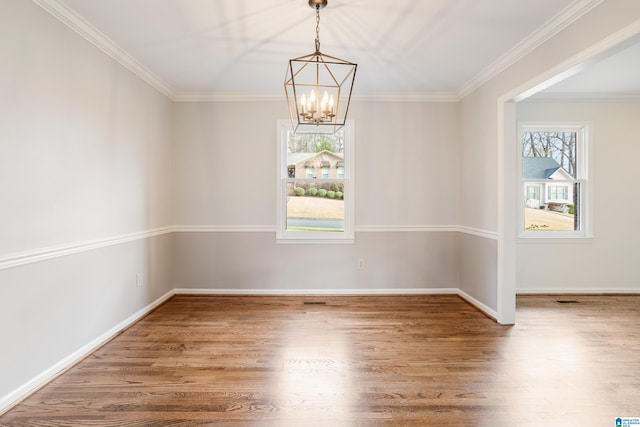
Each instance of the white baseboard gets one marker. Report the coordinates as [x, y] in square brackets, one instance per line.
[345, 292]
[477, 304]
[561, 291]
[38, 381]
[393, 291]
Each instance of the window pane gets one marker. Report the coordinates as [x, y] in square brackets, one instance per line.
[316, 156]
[315, 206]
[557, 212]
[551, 159]
[549, 155]
[315, 195]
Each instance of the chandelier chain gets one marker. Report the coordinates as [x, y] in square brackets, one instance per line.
[317, 27]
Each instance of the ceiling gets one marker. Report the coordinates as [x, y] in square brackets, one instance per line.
[446, 47]
[615, 75]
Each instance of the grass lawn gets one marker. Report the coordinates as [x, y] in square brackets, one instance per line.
[321, 207]
[315, 207]
[547, 220]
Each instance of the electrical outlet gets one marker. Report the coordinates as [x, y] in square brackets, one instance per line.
[361, 264]
[139, 280]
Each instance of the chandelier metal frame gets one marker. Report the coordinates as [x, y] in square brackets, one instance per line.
[319, 87]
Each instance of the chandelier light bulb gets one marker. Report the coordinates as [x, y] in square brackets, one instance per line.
[325, 101]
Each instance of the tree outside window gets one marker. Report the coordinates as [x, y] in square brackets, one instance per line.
[553, 180]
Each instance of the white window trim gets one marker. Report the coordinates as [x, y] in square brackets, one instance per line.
[311, 237]
[584, 132]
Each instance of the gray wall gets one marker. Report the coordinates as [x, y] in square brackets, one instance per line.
[252, 262]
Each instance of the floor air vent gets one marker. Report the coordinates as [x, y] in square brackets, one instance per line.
[314, 303]
[568, 301]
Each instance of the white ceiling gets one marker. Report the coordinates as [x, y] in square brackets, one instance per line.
[405, 46]
[615, 75]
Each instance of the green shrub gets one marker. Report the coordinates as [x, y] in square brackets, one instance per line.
[336, 186]
[322, 192]
[338, 194]
[572, 209]
[298, 191]
[331, 194]
[313, 191]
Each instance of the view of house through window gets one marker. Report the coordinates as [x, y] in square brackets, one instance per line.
[553, 178]
[315, 191]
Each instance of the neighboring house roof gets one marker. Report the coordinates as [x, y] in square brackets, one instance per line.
[295, 158]
[541, 168]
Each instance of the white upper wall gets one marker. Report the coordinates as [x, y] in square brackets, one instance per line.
[479, 110]
[547, 265]
[406, 157]
[406, 163]
[85, 158]
[84, 144]
[225, 157]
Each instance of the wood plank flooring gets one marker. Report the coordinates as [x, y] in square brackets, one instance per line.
[355, 361]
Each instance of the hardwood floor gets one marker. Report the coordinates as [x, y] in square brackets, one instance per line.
[355, 361]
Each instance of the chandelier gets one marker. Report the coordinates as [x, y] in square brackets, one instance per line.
[318, 87]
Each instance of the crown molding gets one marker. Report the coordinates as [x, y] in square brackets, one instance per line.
[584, 97]
[566, 17]
[90, 33]
[78, 24]
[71, 19]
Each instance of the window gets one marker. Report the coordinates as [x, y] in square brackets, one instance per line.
[554, 180]
[559, 193]
[533, 192]
[315, 186]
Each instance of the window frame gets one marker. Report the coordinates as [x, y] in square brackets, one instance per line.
[314, 237]
[584, 178]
